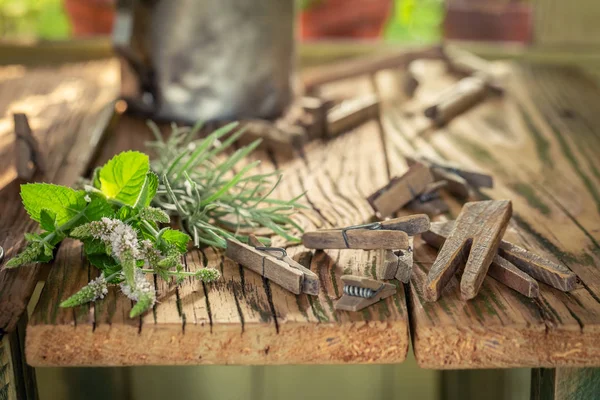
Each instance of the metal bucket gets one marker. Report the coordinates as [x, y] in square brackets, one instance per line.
[209, 59]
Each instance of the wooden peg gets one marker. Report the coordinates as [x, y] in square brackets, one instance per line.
[316, 109]
[477, 232]
[29, 157]
[455, 184]
[549, 272]
[405, 263]
[310, 280]
[457, 99]
[501, 269]
[411, 224]
[428, 201]
[265, 265]
[351, 113]
[473, 178]
[401, 190]
[387, 264]
[364, 239]
[466, 63]
[379, 290]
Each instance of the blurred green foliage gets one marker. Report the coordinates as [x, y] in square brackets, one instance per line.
[415, 21]
[44, 19]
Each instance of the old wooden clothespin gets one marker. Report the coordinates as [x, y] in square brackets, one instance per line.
[459, 181]
[456, 99]
[401, 190]
[395, 264]
[501, 269]
[279, 268]
[361, 292]
[466, 63]
[391, 235]
[29, 158]
[429, 201]
[477, 234]
[351, 113]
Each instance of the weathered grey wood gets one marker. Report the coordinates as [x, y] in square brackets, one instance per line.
[565, 383]
[433, 207]
[476, 236]
[474, 178]
[455, 184]
[265, 265]
[411, 224]
[387, 264]
[501, 269]
[310, 280]
[351, 113]
[29, 157]
[401, 190]
[355, 303]
[456, 100]
[357, 239]
[405, 263]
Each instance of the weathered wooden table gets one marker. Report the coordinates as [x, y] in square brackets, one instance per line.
[539, 141]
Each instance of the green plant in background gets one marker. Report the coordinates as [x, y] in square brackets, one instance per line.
[119, 230]
[34, 19]
[213, 203]
[415, 21]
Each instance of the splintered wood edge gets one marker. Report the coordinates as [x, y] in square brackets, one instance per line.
[469, 347]
[377, 342]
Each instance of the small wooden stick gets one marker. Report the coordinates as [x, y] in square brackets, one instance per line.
[432, 207]
[401, 190]
[455, 184]
[405, 263]
[316, 109]
[265, 265]
[355, 303]
[411, 224]
[357, 239]
[310, 281]
[457, 99]
[538, 267]
[29, 157]
[501, 269]
[351, 113]
[466, 63]
[365, 65]
[477, 232]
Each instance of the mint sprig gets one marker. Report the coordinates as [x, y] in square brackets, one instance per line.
[119, 230]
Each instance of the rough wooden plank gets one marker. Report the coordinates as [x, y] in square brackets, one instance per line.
[67, 132]
[475, 237]
[357, 239]
[541, 157]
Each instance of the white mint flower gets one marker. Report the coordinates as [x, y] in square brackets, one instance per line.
[118, 236]
[87, 198]
[94, 290]
[142, 288]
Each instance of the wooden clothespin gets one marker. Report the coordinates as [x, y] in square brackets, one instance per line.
[456, 99]
[401, 190]
[429, 201]
[501, 269]
[459, 181]
[351, 113]
[476, 233]
[315, 118]
[29, 158]
[361, 292]
[466, 63]
[391, 235]
[529, 264]
[280, 269]
[396, 264]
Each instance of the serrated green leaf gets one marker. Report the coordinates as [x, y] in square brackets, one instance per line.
[126, 212]
[94, 246]
[96, 177]
[64, 202]
[105, 263]
[148, 191]
[47, 220]
[98, 208]
[176, 238]
[122, 178]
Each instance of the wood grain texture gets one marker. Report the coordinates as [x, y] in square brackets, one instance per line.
[501, 269]
[539, 143]
[67, 133]
[456, 100]
[475, 237]
[411, 224]
[357, 239]
[243, 318]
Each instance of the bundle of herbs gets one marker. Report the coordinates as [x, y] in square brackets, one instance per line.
[120, 230]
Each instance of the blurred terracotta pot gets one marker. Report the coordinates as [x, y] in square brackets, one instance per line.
[345, 18]
[90, 17]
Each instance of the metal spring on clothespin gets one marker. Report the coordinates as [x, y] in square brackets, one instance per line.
[279, 249]
[372, 226]
[358, 291]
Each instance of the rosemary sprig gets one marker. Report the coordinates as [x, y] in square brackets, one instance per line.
[214, 203]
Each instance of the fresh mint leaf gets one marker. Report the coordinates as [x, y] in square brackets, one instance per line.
[96, 177]
[123, 177]
[97, 208]
[94, 246]
[106, 264]
[47, 220]
[176, 238]
[148, 191]
[64, 202]
[125, 213]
